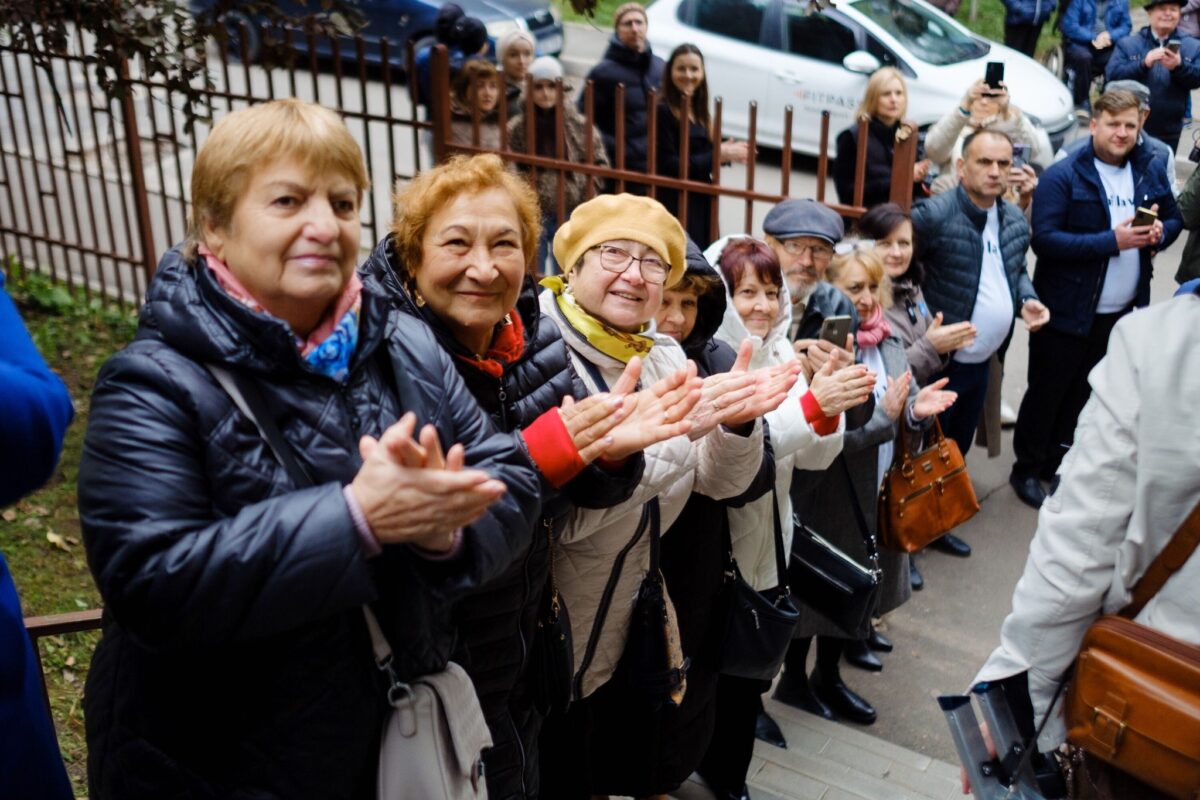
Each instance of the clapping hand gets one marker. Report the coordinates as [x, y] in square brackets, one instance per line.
[844, 388]
[932, 399]
[742, 395]
[410, 493]
[896, 396]
[947, 338]
[590, 420]
[654, 414]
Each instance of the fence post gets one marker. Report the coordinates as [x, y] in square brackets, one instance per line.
[137, 174]
[439, 100]
[904, 157]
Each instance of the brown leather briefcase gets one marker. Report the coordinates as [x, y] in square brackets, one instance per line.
[1134, 700]
[926, 495]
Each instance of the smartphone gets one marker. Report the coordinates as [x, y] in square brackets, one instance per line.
[1144, 217]
[835, 330]
[1173, 46]
[1020, 154]
[994, 74]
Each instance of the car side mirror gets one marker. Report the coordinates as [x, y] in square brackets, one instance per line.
[861, 61]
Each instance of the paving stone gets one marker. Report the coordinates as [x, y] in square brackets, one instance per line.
[927, 783]
[793, 785]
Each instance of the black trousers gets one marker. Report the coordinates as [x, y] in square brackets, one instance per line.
[960, 420]
[1058, 389]
[1023, 37]
[1087, 62]
[728, 758]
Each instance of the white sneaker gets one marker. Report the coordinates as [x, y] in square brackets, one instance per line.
[1008, 417]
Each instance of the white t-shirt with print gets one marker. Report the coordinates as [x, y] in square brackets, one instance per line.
[1121, 277]
[993, 314]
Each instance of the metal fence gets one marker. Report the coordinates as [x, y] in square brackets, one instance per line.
[93, 190]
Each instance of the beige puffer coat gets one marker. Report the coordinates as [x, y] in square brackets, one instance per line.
[718, 465]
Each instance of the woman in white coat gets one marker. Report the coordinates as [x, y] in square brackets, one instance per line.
[619, 253]
[806, 432]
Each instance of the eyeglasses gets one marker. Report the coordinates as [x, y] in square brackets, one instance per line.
[847, 246]
[818, 252]
[614, 259]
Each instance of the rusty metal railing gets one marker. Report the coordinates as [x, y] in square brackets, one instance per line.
[56, 625]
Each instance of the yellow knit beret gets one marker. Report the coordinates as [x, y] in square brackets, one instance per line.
[622, 216]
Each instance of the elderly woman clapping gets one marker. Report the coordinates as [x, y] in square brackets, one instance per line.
[235, 659]
[620, 253]
[463, 244]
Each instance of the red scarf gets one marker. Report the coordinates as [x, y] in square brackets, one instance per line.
[508, 345]
[873, 330]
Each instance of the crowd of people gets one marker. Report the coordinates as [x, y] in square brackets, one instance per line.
[549, 492]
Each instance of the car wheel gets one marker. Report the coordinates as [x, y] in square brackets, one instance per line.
[239, 27]
[1053, 60]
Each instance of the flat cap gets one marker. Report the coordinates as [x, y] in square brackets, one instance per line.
[1135, 88]
[793, 218]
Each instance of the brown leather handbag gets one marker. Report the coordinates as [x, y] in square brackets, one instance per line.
[1134, 701]
[926, 495]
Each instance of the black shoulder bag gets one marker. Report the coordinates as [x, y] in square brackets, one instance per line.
[760, 623]
[832, 583]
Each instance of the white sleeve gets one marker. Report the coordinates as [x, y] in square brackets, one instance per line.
[728, 462]
[1073, 555]
[792, 434]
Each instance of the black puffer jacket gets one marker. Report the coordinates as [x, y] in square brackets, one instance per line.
[640, 72]
[235, 660]
[877, 179]
[648, 753]
[496, 623]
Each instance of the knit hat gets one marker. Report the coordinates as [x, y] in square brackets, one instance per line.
[622, 216]
[624, 9]
[546, 68]
[443, 25]
[509, 39]
[470, 34]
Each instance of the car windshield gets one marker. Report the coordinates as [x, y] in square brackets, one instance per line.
[922, 32]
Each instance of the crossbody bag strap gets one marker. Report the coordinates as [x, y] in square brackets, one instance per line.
[655, 536]
[864, 529]
[1166, 564]
[250, 402]
[780, 557]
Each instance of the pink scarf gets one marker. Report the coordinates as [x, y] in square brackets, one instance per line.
[873, 330]
[350, 299]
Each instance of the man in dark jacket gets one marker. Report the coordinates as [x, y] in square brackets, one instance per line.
[1093, 268]
[1023, 20]
[627, 61]
[972, 244]
[1089, 29]
[1167, 62]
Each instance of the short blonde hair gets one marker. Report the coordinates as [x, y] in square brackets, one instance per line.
[863, 254]
[878, 81]
[250, 138]
[415, 204]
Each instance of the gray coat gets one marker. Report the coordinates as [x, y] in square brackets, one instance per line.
[926, 362]
[822, 500]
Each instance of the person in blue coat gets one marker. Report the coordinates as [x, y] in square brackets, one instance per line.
[1093, 268]
[1090, 27]
[35, 410]
[1167, 62]
[1023, 20]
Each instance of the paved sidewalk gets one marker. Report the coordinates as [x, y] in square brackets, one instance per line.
[830, 761]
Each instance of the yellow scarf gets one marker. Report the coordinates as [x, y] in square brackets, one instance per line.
[618, 344]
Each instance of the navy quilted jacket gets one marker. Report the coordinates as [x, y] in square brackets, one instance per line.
[496, 623]
[235, 661]
[1073, 237]
[949, 232]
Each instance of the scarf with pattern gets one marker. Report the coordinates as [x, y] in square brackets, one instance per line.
[608, 340]
[330, 346]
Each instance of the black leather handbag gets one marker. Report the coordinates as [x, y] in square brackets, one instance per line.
[551, 657]
[653, 660]
[832, 583]
[760, 624]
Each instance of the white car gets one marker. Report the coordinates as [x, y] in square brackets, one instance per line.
[784, 52]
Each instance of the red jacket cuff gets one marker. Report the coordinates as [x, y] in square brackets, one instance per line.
[821, 424]
[552, 449]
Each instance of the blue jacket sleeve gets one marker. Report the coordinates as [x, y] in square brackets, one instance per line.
[1127, 61]
[1187, 74]
[1122, 24]
[1051, 239]
[35, 409]
[1074, 26]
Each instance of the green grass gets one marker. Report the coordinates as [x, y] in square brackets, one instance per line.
[75, 335]
[988, 22]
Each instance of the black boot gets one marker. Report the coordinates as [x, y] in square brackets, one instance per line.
[839, 697]
[914, 575]
[858, 653]
[767, 729]
[797, 693]
[878, 642]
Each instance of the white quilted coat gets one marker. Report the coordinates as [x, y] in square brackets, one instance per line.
[796, 444]
[718, 465]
